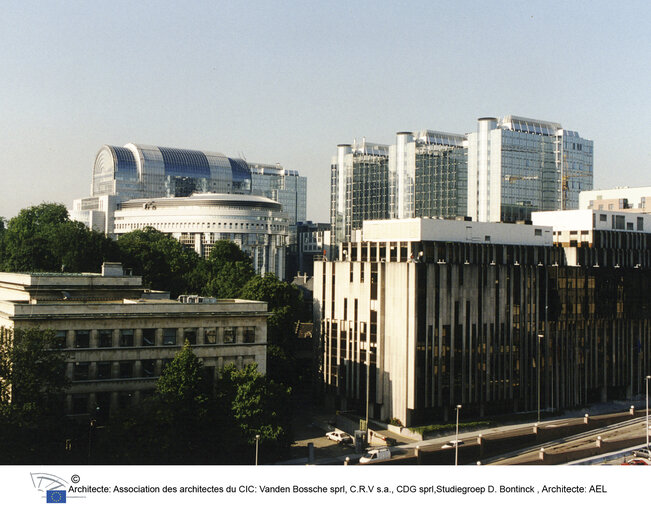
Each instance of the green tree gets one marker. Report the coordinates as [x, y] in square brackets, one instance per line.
[182, 380]
[286, 307]
[259, 406]
[229, 269]
[32, 379]
[43, 238]
[162, 261]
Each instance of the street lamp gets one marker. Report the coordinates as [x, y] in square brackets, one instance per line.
[540, 337]
[456, 439]
[257, 441]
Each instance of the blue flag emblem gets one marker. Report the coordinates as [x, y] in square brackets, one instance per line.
[55, 497]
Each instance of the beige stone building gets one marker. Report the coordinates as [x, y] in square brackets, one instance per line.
[118, 337]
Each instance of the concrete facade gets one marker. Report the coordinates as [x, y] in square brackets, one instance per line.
[118, 337]
[468, 321]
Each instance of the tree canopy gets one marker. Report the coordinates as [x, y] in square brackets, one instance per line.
[229, 269]
[43, 238]
[163, 262]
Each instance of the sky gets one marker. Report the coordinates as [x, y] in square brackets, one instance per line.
[288, 81]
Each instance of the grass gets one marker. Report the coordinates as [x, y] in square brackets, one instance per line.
[431, 429]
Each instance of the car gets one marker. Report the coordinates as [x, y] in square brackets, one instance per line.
[373, 455]
[452, 444]
[339, 437]
[642, 452]
[637, 462]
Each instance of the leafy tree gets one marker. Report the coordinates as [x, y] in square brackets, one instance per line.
[43, 238]
[32, 378]
[229, 269]
[286, 308]
[182, 381]
[259, 406]
[162, 261]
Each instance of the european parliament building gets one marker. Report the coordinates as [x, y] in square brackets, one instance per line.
[137, 171]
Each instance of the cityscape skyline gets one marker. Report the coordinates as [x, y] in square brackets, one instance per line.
[285, 83]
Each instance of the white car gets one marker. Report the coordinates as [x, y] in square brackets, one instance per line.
[339, 437]
[452, 444]
[642, 452]
[373, 455]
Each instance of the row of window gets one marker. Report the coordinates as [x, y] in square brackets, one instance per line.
[126, 370]
[127, 338]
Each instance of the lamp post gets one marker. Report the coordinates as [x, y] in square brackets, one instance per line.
[647, 378]
[456, 439]
[540, 337]
[257, 441]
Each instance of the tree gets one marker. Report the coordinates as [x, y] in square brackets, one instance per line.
[32, 379]
[182, 381]
[162, 261]
[32, 371]
[229, 269]
[259, 406]
[286, 308]
[43, 238]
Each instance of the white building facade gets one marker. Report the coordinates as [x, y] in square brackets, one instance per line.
[256, 224]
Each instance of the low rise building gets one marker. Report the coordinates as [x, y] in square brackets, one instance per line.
[118, 337]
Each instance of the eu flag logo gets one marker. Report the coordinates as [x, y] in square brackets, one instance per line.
[55, 497]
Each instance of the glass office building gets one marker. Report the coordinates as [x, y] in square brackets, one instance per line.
[428, 175]
[518, 165]
[359, 187]
[139, 171]
[500, 173]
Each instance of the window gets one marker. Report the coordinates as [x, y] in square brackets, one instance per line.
[126, 369]
[104, 370]
[148, 367]
[126, 337]
[249, 335]
[190, 335]
[602, 217]
[60, 339]
[169, 336]
[105, 338]
[148, 337]
[640, 223]
[80, 371]
[210, 336]
[82, 339]
[537, 232]
[229, 335]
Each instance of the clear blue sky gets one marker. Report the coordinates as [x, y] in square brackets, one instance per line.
[288, 81]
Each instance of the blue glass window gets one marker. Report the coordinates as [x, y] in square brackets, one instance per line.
[185, 162]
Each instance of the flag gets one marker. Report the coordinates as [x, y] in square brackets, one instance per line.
[55, 497]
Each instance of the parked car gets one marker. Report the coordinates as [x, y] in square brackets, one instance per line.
[452, 444]
[373, 455]
[637, 462]
[642, 452]
[339, 437]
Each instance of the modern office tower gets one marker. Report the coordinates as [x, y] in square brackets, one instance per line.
[518, 165]
[428, 175]
[256, 224]
[433, 313]
[359, 187]
[284, 186]
[500, 173]
[637, 199]
[118, 337]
